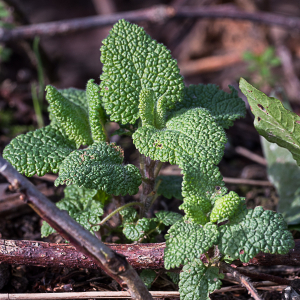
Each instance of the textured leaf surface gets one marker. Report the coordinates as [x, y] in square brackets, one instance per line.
[168, 217]
[132, 61]
[224, 107]
[81, 205]
[148, 277]
[70, 116]
[129, 215]
[38, 152]
[272, 121]
[225, 207]
[100, 167]
[197, 281]
[147, 106]
[194, 141]
[96, 111]
[187, 241]
[135, 231]
[170, 186]
[76, 96]
[284, 173]
[253, 231]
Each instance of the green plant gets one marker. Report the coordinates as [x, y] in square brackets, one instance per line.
[260, 66]
[142, 90]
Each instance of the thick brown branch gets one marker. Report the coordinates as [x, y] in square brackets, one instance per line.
[113, 264]
[157, 13]
[140, 256]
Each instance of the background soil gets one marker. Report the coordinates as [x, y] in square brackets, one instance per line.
[207, 51]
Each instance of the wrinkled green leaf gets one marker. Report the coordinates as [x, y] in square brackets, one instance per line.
[38, 152]
[252, 231]
[170, 186]
[168, 217]
[132, 61]
[187, 241]
[100, 167]
[197, 281]
[148, 277]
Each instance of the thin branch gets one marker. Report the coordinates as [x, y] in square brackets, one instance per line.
[84, 295]
[247, 181]
[112, 263]
[154, 14]
[250, 155]
[243, 280]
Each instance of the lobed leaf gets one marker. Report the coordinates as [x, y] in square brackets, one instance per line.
[132, 61]
[69, 116]
[187, 241]
[168, 217]
[197, 281]
[224, 107]
[251, 231]
[136, 231]
[81, 205]
[129, 215]
[38, 152]
[272, 121]
[100, 167]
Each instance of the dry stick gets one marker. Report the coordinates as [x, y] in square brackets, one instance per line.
[250, 155]
[155, 14]
[140, 256]
[242, 279]
[83, 295]
[112, 263]
[247, 181]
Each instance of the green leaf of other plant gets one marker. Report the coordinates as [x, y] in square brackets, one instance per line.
[168, 217]
[70, 116]
[272, 121]
[187, 241]
[38, 152]
[132, 61]
[100, 167]
[197, 281]
[254, 231]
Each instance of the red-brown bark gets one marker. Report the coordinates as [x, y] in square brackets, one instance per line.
[140, 256]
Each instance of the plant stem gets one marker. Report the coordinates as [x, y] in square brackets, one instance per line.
[149, 169]
[117, 210]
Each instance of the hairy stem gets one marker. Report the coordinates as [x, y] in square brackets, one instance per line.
[117, 210]
[242, 279]
[149, 169]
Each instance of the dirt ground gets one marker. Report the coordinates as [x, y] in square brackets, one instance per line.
[207, 51]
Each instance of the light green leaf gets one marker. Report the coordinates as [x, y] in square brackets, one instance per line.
[197, 281]
[284, 173]
[148, 277]
[129, 215]
[100, 167]
[225, 207]
[76, 96]
[82, 206]
[187, 241]
[253, 231]
[69, 116]
[224, 107]
[168, 217]
[147, 106]
[170, 186]
[272, 121]
[96, 111]
[38, 152]
[132, 61]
